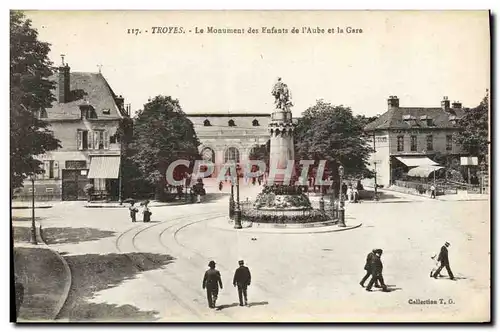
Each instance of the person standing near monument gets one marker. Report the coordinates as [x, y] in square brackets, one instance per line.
[211, 282]
[242, 279]
[133, 211]
[445, 262]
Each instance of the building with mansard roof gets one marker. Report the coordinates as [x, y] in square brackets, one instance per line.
[408, 138]
[85, 118]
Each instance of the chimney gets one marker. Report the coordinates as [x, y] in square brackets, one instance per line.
[64, 82]
[393, 102]
[445, 103]
[119, 102]
[456, 105]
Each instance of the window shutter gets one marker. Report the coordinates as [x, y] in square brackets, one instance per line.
[79, 140]
[56, 169]
[91, 140]
[106, 140]
[96, 140]
[46, 167]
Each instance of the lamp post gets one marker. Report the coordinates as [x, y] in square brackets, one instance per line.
[231, 201]
[237, 211]
[341, 199]
[33, 226]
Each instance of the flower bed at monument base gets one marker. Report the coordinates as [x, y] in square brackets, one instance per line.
[283, 216]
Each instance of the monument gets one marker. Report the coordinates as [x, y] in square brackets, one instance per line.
[282, 201]
[281, 131]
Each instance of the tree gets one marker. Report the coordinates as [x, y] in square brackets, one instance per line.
[30, 93]
[366, 119]
[474, 130]
[332, 133]
[261, 152]
[162, 134]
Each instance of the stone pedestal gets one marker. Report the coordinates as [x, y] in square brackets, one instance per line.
[282, 148]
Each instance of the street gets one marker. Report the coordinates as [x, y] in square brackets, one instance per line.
[127, 271]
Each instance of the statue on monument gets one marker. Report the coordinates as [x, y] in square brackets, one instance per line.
[282, 95]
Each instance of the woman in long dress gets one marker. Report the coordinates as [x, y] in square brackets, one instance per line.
[349, 194]
[146, 213]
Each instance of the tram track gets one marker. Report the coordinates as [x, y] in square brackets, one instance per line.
[168, 290]
[204, 258]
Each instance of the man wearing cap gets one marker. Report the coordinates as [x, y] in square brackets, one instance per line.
[443, 259]
[377, 268]
[211, 282]
[242, 279]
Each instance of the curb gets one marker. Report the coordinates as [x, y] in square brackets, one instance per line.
[303, 230]
[68, 279]
[29, 207]
[126, 207]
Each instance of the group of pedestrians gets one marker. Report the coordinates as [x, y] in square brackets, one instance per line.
[374, 267]
[212, 280]
[146, 212]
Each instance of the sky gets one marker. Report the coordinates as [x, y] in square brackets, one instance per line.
[418, 56]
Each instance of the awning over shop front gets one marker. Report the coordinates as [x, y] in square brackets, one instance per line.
[104, 167]
[423, 171]
[412, 161]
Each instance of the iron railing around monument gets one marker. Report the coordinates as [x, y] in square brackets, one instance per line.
[284, 216]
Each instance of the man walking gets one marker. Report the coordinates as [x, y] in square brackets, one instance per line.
[211, 282]
[242, 279]
[369, 269]
[445, 262]
[433, 191]
[377, 267]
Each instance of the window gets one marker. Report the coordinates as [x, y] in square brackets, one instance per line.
[255, 123]
[401, 143]
[207, 123]
[430, 146]
[231, 123]
[413, 145]
[43, 113]
[232, 154]
[101, 140]
[449, 142]
[51, 169]
[113, 139]
[106, 111]
[83, 139]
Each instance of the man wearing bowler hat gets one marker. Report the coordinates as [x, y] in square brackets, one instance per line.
[242, 279]
[445, 262]
[211, 282]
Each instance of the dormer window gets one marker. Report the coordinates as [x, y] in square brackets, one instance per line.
[410, 119]
[207, 123]
[426, 119]
[231, 123]
[106, 111]
[453, 119]
[87, 112]
[255, 123]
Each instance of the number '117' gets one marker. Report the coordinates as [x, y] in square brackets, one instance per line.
[133, 31]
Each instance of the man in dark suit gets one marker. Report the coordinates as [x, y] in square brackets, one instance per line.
[242, 279]
[443, 259]
[211, 282]
[368, 269]
[377, 268]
